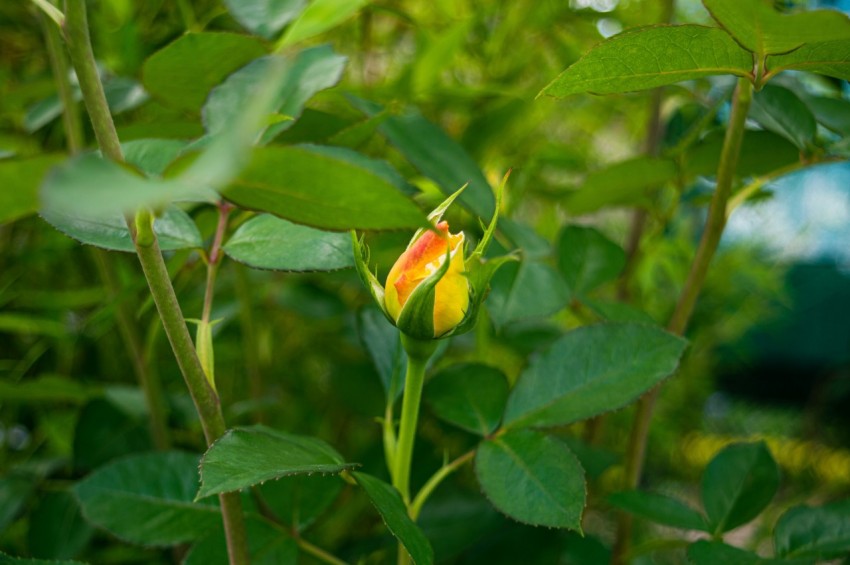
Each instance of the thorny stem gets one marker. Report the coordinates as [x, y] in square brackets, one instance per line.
[687, 300]
[206, 402]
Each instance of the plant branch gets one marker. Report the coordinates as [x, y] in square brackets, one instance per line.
[145, 241]
[50, 11]
[318, 552]
[434, 482]
[71, 118]
[687, 300]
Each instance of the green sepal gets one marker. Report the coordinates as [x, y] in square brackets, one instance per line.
[479, 277]
[475, 258]
[437, 214]
[416, 318]
[370, 281]
[204, 348]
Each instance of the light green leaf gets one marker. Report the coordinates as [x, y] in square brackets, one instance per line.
[174, 229]
[320, 16]
[265, 17]
[588, 259]
[779, 110]
[19, 182]
[652, 56]
[814, 533]
[830, 58]
[317, 190]
[627, 183]
[268, 242]
[533, 478]
[471, 396]
[244, 457]
[764, 31]
[147, 499]
[738, 484]
[152, 156]
[388, 503]
[182, 73]
[592, 370]
[661, 509]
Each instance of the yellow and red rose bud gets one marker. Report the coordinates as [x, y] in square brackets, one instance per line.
[423, 261]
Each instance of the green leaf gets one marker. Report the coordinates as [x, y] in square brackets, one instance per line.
[619, 312]
[471, 396]
[267, 545]
[147, 499]
[267, 242]
[659, 508]
[533, 478]
[706, 552]
[525, 290]
[764, 31]
[244, 457]
[302, 75]
[174, 229]
[738, 484]
[588, 259]
[14, 492]
[152, 156]
[833, 113]
[265, 17]
[627, 183]
[320, 16]
[815, 533]
[652, 56]
[314, 189]
[57, 529]
[383, 342]
[300, 499]
[779, 110]
[437, 156]
[19, 182]
[182, 73]
[105, 432]
[388, 503]
[761, 153]
[9, 560]
[592, 370]
[830, 58]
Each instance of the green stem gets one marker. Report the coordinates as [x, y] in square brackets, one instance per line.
[318, 552]
[50, 11]
[71, 118]
[687, 300]
[434, 482]
[206, 402]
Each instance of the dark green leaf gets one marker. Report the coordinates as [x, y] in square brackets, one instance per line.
[267, 242]
[618, 312]
[627, 183]
[761, 153]
[471, 396]
[14, 493]
[376, 166]
[320, 16]
[779, 110]
[706, 552]
[183, 72]
[738, 484]
[594, 459]
[652, 56]
[267, 545]
[533, 478]
[437, 156]
[9, 560]
[383, 342]
[104, 432]
[265, 17]
[298, 500]
[174, 229]
[592, 370]
[309, 188]
[814, 533]
[152, 156]
[147, 499]
[830, 58]
[833, 113]
[390, 506]
[524, 290]
[659, 508]
[19, 182]
[57, 529]
[302, 75]
[244, 457]
[763, 30]
[588, 259]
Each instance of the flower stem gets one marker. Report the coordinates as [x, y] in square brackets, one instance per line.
[687, 300]
[76, 33]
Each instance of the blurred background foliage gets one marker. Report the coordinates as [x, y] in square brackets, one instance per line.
[770, 341]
